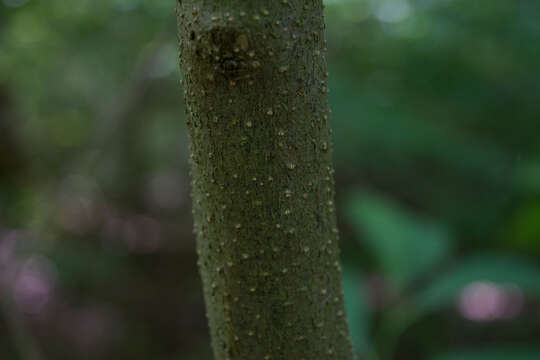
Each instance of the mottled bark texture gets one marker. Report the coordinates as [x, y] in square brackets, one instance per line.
[254, 76]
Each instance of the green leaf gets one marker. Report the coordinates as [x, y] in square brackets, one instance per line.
[523, 228]
[404, 244]
[528, 176]
[492, 354]
[503, 269]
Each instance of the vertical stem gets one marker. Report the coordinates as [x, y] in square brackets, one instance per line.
[254, 75]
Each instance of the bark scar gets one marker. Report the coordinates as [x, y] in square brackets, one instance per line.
[226, 48]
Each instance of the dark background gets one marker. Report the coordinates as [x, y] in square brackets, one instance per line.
[436, 119]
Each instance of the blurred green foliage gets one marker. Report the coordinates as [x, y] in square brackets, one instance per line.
[436, 121]
[496, 354]
[403, 245]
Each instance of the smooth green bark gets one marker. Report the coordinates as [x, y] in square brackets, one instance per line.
[254, 76]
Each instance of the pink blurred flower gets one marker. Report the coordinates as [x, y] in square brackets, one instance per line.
[33, 285]
[487, 301]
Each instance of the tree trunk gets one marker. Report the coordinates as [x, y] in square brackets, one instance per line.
[254, 76]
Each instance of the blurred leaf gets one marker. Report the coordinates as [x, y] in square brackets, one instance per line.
[492, 354]
[528, 176]
[503, 269]
[357, 309]
[523, 228]
[404, 244]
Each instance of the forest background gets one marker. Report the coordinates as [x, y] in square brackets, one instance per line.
[436, 119]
